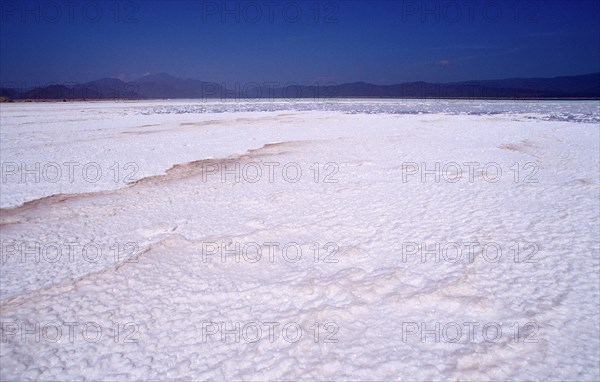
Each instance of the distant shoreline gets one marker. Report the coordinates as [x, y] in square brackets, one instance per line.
[310, 99]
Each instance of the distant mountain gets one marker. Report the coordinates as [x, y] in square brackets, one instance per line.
[587, 85]
[163, 85]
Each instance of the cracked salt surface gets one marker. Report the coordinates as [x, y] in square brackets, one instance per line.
[368, 308]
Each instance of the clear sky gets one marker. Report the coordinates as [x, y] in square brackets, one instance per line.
[282, 41]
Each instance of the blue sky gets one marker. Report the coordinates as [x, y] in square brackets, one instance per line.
[382, 42]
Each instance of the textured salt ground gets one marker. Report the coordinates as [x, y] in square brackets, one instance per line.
[128, 141]
[170, 291]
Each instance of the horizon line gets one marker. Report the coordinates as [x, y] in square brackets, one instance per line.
[315, 83]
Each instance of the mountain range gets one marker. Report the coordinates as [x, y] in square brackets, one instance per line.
[165, 86]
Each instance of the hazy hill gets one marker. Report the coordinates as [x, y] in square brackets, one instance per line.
[162, 85]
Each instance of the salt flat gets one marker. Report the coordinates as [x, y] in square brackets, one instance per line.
[343, 240]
